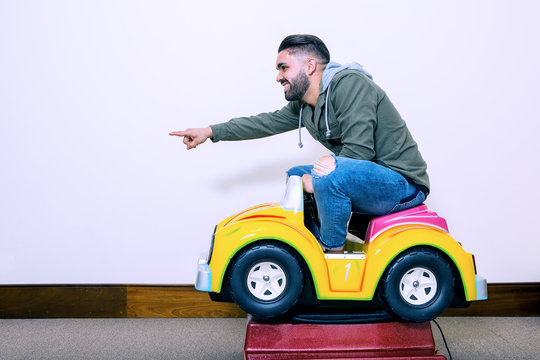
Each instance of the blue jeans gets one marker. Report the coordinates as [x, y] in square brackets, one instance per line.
[357, 186]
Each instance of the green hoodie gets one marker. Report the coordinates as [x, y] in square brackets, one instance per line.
[363, 125]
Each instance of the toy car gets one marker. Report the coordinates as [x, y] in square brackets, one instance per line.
[265, 257]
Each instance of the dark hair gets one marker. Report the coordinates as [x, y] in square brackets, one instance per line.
[307, 43]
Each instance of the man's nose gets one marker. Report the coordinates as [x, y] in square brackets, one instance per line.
[279, 77]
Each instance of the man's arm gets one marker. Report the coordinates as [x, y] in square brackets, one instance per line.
[258, 126]
[244, 128]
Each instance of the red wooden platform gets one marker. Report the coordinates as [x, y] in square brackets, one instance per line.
[390, 340]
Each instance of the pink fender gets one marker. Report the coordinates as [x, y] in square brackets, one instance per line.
[419, 215]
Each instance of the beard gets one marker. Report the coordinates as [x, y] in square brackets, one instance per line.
[298, 87]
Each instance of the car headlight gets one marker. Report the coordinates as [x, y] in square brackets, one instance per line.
[203, 259]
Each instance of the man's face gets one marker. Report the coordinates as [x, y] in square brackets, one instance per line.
[292, 75]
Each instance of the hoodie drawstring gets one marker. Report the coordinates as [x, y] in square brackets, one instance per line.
[326, 111]
[328, 132]
[300, 145]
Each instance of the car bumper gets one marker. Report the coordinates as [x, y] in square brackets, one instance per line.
[481, 288]
[204, 275]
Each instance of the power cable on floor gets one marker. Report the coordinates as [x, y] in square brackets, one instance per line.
[444, 339]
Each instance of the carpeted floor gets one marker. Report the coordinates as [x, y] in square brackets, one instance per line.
[223, 339]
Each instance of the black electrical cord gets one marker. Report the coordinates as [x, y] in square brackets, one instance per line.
[444, 339]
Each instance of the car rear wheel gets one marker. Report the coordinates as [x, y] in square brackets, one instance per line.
[418, 285]
[266, 280]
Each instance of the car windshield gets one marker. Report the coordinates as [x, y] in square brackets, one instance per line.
[294, 195]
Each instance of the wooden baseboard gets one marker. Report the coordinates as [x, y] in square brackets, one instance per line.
[134, 301]
[57, 301]
[176, 301]
[513, 299]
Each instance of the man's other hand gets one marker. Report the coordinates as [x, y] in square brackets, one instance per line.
[194, 137]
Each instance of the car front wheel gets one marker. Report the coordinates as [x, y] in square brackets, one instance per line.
[266, 280]
[418, 285]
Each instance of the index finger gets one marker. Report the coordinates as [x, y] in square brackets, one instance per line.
[178, 133]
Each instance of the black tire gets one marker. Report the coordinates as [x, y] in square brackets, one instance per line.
[276, 280]
[418, 285]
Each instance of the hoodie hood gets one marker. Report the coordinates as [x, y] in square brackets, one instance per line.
[332, 68]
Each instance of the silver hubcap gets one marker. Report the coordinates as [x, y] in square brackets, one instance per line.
[266, 280]
[418, 286]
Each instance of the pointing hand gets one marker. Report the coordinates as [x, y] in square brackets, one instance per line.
[194, 137]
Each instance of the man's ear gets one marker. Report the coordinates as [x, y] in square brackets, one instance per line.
[311, 66]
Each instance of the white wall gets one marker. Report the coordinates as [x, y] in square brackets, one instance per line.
[93, 190]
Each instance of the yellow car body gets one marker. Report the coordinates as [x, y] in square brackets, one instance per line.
[353, 275]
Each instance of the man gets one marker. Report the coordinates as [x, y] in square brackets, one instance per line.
[375, 167]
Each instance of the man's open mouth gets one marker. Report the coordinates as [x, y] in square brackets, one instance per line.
[286, 85]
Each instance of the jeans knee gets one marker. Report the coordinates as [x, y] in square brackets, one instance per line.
[324, 165]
